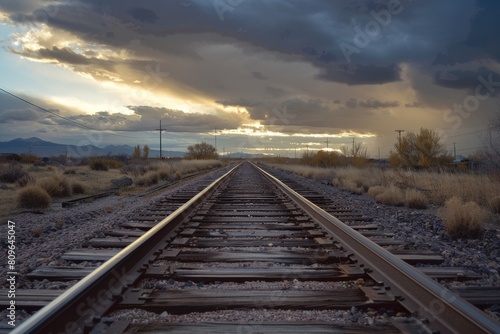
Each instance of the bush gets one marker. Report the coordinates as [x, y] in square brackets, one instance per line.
[463, 220]
[351, 186]
[11, 173]
[78, 188]
[165, 173]
[33, 197]
[135, 169]
[29, 158]
[25, 180]
[56, 186]
[391, 196]
[147, 179]
[495, 204]
[416, 199]
[98, 164]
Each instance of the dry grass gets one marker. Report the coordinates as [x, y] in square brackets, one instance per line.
[103, 163]
[56, 186]
[416, 199]
[33, 197]
[77, 187]
[463, 219]
[438, 187]
[391, 196]
[495, 204]
[351, 186]
[376, 190]
[26, 180]
[147, 179]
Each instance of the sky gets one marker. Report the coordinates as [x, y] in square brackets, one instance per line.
[258, 76]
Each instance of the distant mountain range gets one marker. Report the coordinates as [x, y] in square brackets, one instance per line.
[44, 148]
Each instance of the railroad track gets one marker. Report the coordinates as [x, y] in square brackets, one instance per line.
[250, 245]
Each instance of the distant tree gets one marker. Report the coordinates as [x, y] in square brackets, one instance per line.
[201, 151]
[356, 155]
[423, 149]
[145, 150]
[358, 150]
[137, 152]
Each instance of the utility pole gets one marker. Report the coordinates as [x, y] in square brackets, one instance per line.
[399, 131]
[353, 146]
[455, 151]
[215, 138]
[379, 153]
[326, 142]
[160, 129]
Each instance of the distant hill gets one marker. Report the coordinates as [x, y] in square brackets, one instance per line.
[44, 148]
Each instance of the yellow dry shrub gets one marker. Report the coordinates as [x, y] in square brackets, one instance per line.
[416, 199]
[33, 197]
[463, 220]
[391, 196]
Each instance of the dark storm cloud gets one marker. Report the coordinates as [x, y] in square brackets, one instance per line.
[259, 53]
[311, 31]
[469, 80]
[143, 15]
[363, 74]
[482, 40]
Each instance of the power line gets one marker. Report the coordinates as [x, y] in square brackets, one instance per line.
[48, 111]
[66, 118]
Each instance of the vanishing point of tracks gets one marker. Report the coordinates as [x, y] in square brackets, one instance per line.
[246, 227]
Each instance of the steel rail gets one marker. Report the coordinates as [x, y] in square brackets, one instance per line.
[74, 311]
[445, 311]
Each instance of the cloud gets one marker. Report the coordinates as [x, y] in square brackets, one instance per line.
[258, 75]
[143, 15]
[239, 102]
[147, 118]
[466, 79]
[275, 91]
[11, 115]
[362, 74]
[374, 104]
[64, 55]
